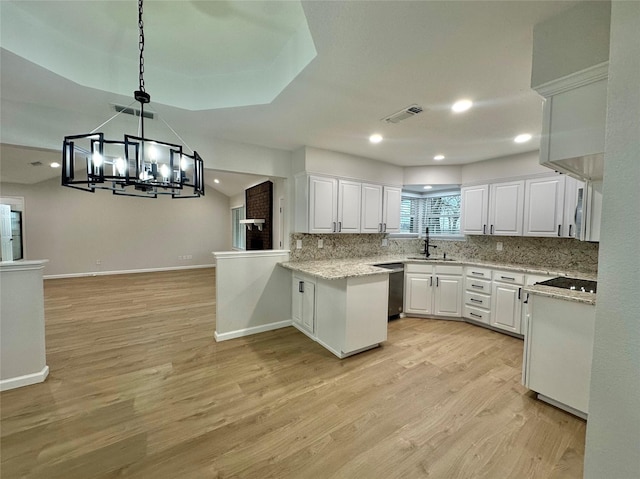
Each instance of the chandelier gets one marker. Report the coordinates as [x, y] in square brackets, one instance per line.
[135, 166]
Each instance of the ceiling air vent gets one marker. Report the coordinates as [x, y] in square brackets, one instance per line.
[133, 111]
[403, 114]
[36, 163]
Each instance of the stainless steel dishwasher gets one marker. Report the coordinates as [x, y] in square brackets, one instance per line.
[396, 288]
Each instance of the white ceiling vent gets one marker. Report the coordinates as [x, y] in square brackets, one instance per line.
[403, 114]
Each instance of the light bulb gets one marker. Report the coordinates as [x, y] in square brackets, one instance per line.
[97, 159]
[375, 138]
[183, 164]
[523, 138]
[461, 105]
[152, 153]
[120, 165]
[164, 171]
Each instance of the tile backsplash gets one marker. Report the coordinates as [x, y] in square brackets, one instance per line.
[557, 253]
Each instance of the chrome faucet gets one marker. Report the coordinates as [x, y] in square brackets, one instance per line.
[427, 245]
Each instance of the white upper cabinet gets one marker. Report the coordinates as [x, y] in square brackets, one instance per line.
[330, 205]
[391, 209]
[323, 205]
[349, 201]
[506, 211]
[475, 209]
[371, 217]
[544, 206]
[571, 186]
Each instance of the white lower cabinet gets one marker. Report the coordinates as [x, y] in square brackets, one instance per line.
[477, 295]
[345, 315]
[433, 289]
[506, 295]
[303, 305]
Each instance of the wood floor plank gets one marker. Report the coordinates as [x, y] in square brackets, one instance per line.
[138, 388]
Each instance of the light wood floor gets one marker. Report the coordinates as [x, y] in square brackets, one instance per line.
[139, 389]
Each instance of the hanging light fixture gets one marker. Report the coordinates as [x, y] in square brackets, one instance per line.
[135, 166]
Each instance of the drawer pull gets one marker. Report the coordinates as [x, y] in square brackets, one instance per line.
[476, 300]
[508, 277]
[477, 274]
[477, 286]
[475, 315]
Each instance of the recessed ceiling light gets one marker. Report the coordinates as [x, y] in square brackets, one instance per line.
[428, 187]
[375, 138]
[438, 157]
[55, 164]
[461, 105]
[216, 180]
[522, 138]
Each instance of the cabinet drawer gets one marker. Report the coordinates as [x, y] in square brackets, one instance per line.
[418, 268]
[477, 300]
[476, 314]
[508, 277]
[481, 273]
[477, 285]
[448, 269]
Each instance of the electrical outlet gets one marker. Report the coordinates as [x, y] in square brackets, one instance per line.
[98, 261]
[385, 242]
[499, 246]
[320, 243]
[298, 244]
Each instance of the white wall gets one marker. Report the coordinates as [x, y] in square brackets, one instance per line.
[347, 166]
[613, 429]
[243, 158]
[433, 175]
[504, 167]
[74, 229]
[570, 42]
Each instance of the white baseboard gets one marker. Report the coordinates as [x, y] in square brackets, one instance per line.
[249, 331]
[26, 380]
[126, 271]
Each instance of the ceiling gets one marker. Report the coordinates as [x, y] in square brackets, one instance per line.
[372, 59]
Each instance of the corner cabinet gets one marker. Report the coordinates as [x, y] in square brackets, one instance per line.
[495, 209]
[332, 205]
[433, 290]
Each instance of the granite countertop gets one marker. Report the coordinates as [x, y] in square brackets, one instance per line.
[559, 293]
[351, 267]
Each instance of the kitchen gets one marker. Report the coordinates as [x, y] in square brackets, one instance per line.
[249, 165]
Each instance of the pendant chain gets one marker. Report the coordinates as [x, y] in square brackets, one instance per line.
[141, 44]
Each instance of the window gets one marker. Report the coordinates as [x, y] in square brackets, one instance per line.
[438, 211]
[237, 228]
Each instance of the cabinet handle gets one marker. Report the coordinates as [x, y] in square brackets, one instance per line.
[476, 300]
[570, 228]
[334, 226]
[484, 229]
[507, 277]
[437, 281]
[559, 226]
[491, 230]
[526, 301]
[301, 286]
[519, 293]
[339, 226]
[379, 227]
[478, 286]
[477, 274]
[475, 315]
[384, 229]
[430, 281]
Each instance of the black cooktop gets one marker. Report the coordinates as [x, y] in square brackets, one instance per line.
[572, 284]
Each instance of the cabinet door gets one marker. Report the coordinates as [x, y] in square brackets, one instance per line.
[544, 206]
[323, 205]
[448, 296]
[506, 208]
[506, 307]
[475, 209]
[303, 304]
[371, 218]
[391, 209]
[418, 293]
[349, 199]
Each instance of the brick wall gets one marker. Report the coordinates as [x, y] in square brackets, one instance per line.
[259, 205]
